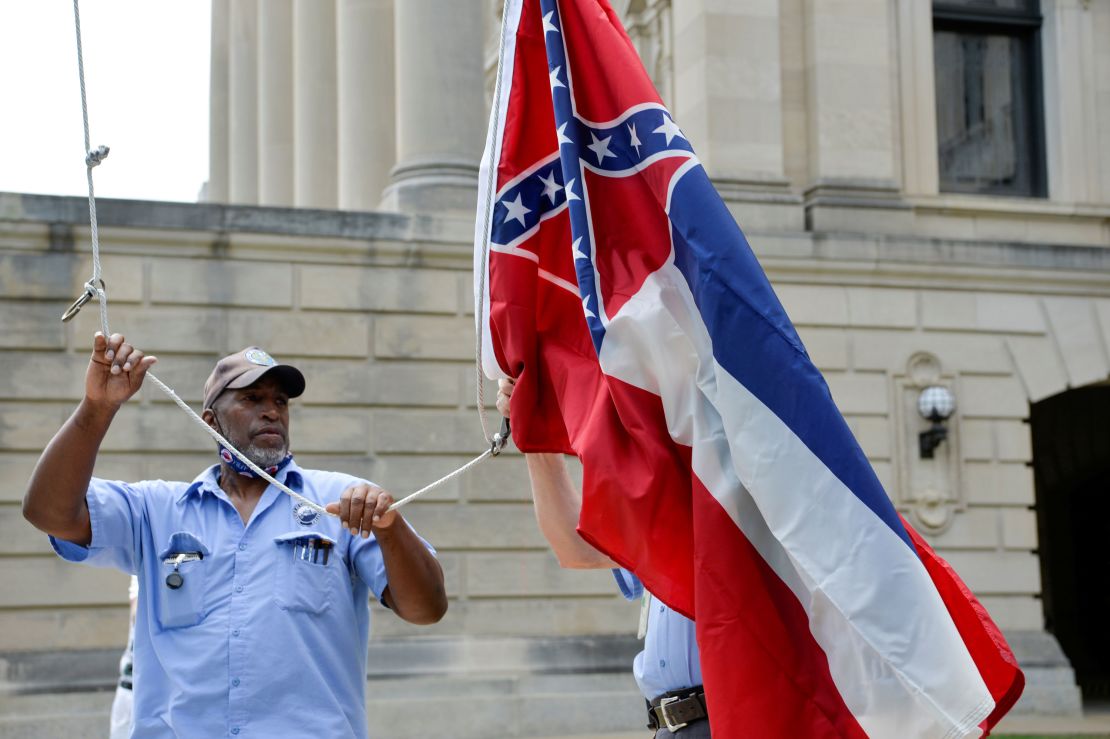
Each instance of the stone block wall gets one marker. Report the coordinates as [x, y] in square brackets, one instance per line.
[376, 309]
[383, 332]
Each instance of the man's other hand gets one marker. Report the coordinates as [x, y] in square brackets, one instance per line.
[504, 393]
[363, 508]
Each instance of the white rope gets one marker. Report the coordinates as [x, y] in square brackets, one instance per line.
[92, 159]
[95, 288]
[486, 236]
[412, 496]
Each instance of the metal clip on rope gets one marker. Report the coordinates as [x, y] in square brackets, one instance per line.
[501, 438]
[96, 156]
[91, 291]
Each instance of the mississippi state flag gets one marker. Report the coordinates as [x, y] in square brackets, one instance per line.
[647, 341]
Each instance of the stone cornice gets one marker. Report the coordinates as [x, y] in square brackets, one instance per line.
[295, 234]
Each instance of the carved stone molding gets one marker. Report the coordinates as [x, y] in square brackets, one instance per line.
[648, 23]
[930, 489]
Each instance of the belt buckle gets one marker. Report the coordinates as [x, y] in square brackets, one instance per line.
[671, 727]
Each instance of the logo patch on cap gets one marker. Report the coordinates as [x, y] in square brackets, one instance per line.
[257, 356]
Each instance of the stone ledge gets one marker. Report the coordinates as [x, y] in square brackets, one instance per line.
[450, 238]
[432, 658]
[235, 218]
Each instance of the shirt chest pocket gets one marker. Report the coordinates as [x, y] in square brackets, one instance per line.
[306, 573]
[185, 564]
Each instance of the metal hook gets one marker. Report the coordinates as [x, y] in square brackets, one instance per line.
[89, 294]
[501, 438]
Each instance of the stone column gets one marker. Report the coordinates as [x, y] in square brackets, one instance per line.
[441, 110]
[243, 103]
[367, 145]
[918, 101]
[275, 102]
[853, 166]
[217, 106]
[728, 99]
[1076, 160]
[315, 128]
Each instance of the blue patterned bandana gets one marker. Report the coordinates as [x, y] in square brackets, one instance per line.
[237, 464]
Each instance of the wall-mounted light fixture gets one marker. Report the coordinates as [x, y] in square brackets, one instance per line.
[935, 404]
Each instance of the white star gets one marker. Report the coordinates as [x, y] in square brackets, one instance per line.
[553, 77]
[669, 129]
[516, 210]
[550, 186]
[563, 138]
[548, 26]
[586, 307]
[600, 147]
[570, 192]
[578, 253]
[635, 139]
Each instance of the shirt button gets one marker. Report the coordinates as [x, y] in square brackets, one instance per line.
[235, 730]
[235, 683]
[661, 608]
[235, 633]
[242, 547]
[238, 588]
[662, 663]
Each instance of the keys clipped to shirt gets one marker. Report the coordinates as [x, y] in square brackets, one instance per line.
[175, 579]
[312, 550]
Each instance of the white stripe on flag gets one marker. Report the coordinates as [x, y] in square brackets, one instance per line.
[491, 157]
[902, 672]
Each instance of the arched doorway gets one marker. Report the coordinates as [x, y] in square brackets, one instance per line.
[1071, 465]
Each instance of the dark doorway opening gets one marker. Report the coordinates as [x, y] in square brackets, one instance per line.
[1071, 465]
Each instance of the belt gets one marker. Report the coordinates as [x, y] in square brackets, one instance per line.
[677, 709]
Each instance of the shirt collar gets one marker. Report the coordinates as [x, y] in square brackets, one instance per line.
[209, 480]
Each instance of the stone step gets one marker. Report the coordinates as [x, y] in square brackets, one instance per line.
[48, 716]
[529, 706]
[488, 655]
[400, 708]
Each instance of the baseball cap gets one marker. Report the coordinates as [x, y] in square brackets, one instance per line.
[244, 368]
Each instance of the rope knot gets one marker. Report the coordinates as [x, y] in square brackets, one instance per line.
[96, 156]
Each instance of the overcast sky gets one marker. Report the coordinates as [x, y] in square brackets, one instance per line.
[146, 73]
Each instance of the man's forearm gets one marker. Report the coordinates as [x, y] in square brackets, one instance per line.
[558, 506]
[55, 499]
[416, 591]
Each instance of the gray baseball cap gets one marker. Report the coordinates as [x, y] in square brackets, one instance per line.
[244, 368]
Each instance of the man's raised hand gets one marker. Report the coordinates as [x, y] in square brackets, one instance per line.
[116, 371]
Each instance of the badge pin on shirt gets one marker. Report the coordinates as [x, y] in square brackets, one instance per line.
[305, 514]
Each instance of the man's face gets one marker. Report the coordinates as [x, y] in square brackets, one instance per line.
[255, 419]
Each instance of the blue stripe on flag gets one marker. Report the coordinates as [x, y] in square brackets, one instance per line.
[755, 342]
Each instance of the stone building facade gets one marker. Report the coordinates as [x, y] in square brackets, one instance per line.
[926, 184]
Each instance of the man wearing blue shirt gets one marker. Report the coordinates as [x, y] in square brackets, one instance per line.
[253, 613]
[668, 670]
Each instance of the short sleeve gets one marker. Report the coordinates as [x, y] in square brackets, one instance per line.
[366, 557]
[630, 585]
[115, 513]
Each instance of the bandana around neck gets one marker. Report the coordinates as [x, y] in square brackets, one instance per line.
[237, 464]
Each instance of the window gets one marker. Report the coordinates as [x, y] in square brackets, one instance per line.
[990, 132]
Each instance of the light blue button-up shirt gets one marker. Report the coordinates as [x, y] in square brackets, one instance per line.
[257, 641]
[670, 660]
